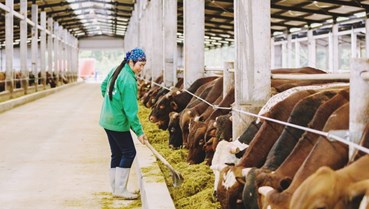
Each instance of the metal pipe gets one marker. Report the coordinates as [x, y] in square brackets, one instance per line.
[4, 7]
[339, 76]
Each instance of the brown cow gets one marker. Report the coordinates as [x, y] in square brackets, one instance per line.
[211, 94]
[162, 92]
[324, 153]
[2, 81]
[256, 153]
[176, 101]
[341, 182]
[302, 114]
[282, 177]
[326, 188]
[198, 129]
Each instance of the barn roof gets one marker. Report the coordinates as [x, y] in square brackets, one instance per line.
[85, 18]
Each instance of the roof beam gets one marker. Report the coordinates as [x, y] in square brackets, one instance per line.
[92, 1]
[300, 9]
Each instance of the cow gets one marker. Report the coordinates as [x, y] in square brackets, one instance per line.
[354, 194]
[149, 89]
[223, 131]
[50, 80]
[223, 153]
[150, 94]
[211, 94]
[177, 124]
[327, 188]
[175, 132]
[2, 81]
[143, 87]
[281, 178]
[302, 70]
[229, 191]
[341, 182]
[302, 114]
[198, 129]
[325, 153]
[175, 100]
[162, 92]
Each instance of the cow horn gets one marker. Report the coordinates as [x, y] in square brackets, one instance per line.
[264, 190]
[245, 171]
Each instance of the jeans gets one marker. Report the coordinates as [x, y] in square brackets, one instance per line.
[122, 149]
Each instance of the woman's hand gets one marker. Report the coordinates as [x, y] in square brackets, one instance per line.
[142, 138]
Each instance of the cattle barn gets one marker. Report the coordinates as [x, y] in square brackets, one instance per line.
[246, 104]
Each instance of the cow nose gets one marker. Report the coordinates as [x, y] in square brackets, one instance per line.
[152, 119]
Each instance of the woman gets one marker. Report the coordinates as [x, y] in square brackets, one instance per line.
[119, 115]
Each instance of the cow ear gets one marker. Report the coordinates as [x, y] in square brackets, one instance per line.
[241, 179]
[174, 105]
[285, 183]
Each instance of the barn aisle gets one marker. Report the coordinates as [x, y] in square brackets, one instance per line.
[53, 153]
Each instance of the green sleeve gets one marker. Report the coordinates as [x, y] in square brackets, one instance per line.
[130, 107]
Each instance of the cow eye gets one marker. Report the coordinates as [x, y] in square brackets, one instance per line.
[201, 142]
[172, 130]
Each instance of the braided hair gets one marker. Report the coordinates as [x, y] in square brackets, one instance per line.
[115, 76]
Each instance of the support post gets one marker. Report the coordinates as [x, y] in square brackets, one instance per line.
[56, 52]
[289, 50]
[170, 40]
[194, 32]
[9, 37]
[157, 38]
[297, 54]
[23, 46]
[333, 49]
[35, 43]
[353, 44]
[312, 49]
[50, 45]
[359, 93]
[252, 67]
[367, 37]
[228, 77]
[43, 50]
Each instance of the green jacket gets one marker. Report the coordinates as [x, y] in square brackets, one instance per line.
[120, 114]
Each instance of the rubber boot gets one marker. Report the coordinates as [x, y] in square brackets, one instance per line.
[112, 179]
[121, 181]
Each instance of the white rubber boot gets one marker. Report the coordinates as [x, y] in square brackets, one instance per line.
[112, 179]
[121, 181]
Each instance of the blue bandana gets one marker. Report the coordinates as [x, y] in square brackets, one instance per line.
[135, 55]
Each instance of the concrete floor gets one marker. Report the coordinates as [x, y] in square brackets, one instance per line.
[53, 153]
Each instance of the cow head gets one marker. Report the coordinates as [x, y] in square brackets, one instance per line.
[196, 142]
[175, 132]
[160, 111]
[320, 190]
[184, 122]
[223, 125]
[229, 191]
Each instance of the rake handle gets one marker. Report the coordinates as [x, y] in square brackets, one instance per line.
[159, 156]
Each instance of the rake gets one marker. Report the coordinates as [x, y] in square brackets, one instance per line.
[176, 176]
